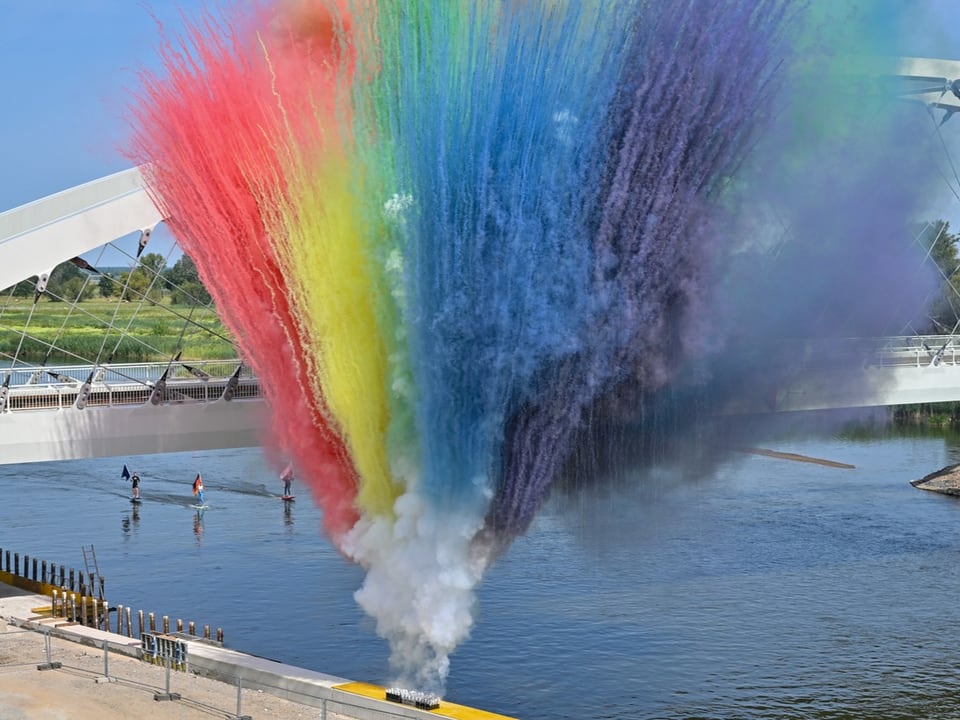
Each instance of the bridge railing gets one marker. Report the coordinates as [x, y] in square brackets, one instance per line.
[851, 353]
[55, 388]
[58, 387]
[125, 372]
[919, 350]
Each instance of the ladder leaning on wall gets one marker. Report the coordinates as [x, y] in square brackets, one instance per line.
[92, 569]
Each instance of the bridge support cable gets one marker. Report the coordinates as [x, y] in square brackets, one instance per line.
[54, 347]
[90, 367]
[141, 245]
[115, 326]
[195, 302]
[13, 362]
[954, 293]
[109, 326]
[72, 306]
[927, 257]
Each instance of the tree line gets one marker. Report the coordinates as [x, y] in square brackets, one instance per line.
[941, 246]
[151, 281]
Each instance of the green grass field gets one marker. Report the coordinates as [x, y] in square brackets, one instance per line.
[142, 332]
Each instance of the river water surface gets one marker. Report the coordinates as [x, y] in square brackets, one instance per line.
[768, 589]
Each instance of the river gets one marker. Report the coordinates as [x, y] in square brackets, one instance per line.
[767, 589]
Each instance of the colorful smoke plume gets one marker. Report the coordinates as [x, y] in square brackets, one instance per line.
[467, 246]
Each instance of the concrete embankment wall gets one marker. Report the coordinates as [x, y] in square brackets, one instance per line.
[80, 598]
[331, 694]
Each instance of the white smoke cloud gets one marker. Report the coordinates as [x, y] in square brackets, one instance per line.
[423, 567]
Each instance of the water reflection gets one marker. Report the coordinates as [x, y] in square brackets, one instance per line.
[288, 515]
[131, 522]
[198, 525]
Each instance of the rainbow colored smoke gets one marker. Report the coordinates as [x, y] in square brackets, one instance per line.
[453, 237]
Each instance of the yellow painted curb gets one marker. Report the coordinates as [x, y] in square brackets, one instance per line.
[34, 586]
[447, 709]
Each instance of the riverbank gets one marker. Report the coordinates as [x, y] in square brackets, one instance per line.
[51, 669]
[945, 481]
[78, 689]
[73, 691]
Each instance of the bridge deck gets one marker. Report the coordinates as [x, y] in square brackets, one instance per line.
[128, 409]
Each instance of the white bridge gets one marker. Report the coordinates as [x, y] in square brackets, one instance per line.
[97, 408]
[66, 412]
[101, 408]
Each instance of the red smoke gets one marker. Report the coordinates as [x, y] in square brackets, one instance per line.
[213, 135]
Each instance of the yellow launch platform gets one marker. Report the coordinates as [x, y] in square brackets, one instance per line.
[446, 709]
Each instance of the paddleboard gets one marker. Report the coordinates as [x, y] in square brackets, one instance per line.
[288, 498]
[136, 501]
[199, 507]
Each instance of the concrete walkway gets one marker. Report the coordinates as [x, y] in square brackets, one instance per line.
[216, 678]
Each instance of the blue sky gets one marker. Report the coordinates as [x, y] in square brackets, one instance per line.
[65, 70]
[66, 67]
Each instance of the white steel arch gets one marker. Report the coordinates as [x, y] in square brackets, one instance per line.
[38, 236]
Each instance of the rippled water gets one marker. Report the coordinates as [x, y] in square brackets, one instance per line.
[771, 589]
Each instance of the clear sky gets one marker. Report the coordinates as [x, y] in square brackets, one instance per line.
[65, 70]
[66, 67]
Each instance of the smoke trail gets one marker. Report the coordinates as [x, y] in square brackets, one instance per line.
[851, 171]
[495, 270]
[476, 251]
[812, 249]
[211, 136]
[422, 570]
[824, 254]
[678, 126]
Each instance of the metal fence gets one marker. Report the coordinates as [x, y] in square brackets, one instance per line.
[163, 669]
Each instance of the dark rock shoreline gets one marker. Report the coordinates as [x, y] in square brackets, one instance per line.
[945, 480]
